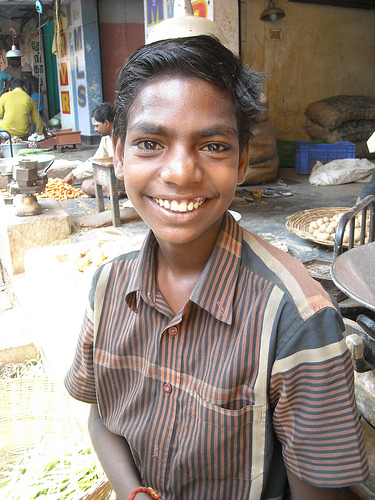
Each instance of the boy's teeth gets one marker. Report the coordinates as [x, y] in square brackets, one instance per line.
[179, 207]
[174, 206]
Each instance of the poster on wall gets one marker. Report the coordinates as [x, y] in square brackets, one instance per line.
[80, 69]
[157, 11]
[64, 80]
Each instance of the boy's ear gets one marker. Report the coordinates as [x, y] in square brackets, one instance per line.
[117, 157]
[243, 163]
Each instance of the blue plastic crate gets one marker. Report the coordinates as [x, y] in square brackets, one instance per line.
[307, 154]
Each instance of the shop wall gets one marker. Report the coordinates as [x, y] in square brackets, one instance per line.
[78, 58]
[323, 51]
[121, 28]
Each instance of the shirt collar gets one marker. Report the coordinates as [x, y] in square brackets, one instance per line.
[215, 289]
[143, 276]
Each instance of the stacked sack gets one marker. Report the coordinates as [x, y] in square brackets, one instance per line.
[343, 118]
[263, 161]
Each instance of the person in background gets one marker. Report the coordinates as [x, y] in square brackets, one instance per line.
[5, 80]
[31, 85]
[368, 189]
[215, 366]
[14, 68]
[30, 81]
[18, 112]
[102, 119]
[370, 186]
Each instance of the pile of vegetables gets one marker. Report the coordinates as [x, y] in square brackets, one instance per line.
[32, 151]
[60, 190]
[54, 470]
[32, 368]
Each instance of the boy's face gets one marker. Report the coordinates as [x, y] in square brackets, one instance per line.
[181, 160]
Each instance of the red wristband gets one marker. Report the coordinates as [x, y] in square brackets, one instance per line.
[149, 491]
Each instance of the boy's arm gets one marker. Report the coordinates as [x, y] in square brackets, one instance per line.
[115, 457]
[301, 490]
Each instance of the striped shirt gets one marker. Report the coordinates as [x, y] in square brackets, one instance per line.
[250, 377]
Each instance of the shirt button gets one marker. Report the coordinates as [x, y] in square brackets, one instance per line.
[167, 388]
[173, 330]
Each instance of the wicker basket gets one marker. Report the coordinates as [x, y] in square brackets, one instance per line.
[299, 222]
[101, 491]
[29, 410]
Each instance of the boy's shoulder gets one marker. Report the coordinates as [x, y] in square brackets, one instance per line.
[267, 252]
[122, 260]
[286, 272]
[119, 266]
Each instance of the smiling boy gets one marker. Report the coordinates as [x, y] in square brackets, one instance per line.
[215, 366]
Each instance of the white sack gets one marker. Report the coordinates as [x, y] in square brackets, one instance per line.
[342, 172]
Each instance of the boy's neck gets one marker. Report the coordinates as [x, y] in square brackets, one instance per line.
[179, 267]
[191, 257]
[177, 277]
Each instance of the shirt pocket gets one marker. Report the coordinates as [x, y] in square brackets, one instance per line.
[220, 444]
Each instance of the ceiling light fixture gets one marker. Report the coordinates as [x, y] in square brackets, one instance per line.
[14, 52]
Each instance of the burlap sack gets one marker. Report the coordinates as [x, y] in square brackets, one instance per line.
[263, 161]
[259, 173]
[263, 116]
[334, 111]
[263, 145]
[361, 150]
[353, 130]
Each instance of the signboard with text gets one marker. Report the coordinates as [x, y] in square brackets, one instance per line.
[64, 76]
[80, 68]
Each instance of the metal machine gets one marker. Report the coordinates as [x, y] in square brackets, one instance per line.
[353, 272]
[28, 182]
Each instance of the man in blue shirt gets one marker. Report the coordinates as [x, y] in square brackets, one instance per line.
[4, 82]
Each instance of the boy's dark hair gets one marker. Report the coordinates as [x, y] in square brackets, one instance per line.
[16, 83]
[104, 111]
[200, 57]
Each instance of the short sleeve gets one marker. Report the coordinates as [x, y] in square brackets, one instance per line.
[315, 415]
[80, 379]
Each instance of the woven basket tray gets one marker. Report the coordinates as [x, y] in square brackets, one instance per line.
[299, 222]
[29, 410]
[101, 491]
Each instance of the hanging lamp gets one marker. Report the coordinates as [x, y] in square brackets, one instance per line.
[272, 13]
[14, 52]
[183, 24]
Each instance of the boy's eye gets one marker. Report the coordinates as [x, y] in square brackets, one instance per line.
[215, 148]
[148, 145]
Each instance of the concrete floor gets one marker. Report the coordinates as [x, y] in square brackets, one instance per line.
[267, 216]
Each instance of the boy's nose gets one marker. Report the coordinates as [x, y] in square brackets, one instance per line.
[181, 167]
